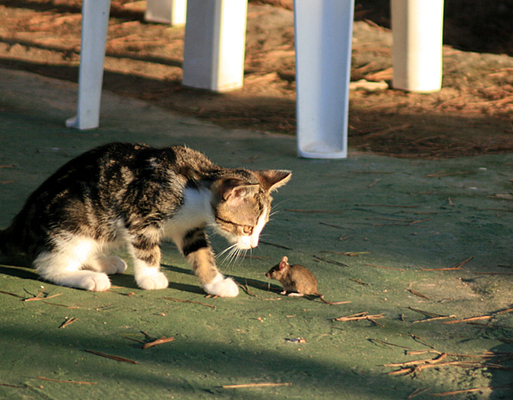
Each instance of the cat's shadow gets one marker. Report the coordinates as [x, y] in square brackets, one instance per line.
[128, 281]
[242, 281]
[20, 269]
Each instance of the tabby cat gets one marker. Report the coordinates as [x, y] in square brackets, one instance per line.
[135, 194]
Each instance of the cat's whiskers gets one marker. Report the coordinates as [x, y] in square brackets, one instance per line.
[276, 209]
[229, 248]
[273, 212]
[238, 254]
[232, 254]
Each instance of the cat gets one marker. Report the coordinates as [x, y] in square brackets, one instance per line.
[139, 195]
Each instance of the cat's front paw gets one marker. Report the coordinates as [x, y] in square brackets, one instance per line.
[222, 287]
[113, 265]
[153, 281]
[94, 282]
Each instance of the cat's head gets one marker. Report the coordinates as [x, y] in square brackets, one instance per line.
[242, 204]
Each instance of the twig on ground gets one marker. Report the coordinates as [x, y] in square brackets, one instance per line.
[12, 294]
[116, 358]
[13, 386]
[254, 385]
[422, 341]
[387, 131]
[188, 301]
[68, 322]
[157, 342]
[64, 381]
[388, 344]
[432, 316]
[455, 268]
[480, 361]
[59, 305]
[134, 340]
[361, 317]
[379, 266]
[37, 298]
[347, 253]
[375, 181]
[435, 318]
[332, 225]
[468, 319]
[493, 273]
[441, 173]
[418, 294]
[330, 261]
[360, 282]
[385, 205]
[342, 238]
[415, 363]
[246, 288]
[461, 391]
[417, 392]
[479, 318]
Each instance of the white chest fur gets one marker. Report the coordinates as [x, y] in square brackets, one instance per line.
[196, 211]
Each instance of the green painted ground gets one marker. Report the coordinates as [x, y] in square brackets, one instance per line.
[366, 226]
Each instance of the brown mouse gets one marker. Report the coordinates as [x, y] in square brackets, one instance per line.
[297, 280]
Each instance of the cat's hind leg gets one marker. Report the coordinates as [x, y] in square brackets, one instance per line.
[65, 265]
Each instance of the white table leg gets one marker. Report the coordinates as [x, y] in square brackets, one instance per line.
[95, 21]
[417, 28]
[166, 11]
[215, 37]
[324, 31]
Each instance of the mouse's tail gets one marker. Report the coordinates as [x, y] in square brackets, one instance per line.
[333, 303]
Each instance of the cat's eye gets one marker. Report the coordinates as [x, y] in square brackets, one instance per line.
[247, 230]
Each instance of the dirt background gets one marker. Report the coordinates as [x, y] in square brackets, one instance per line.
[471, 115]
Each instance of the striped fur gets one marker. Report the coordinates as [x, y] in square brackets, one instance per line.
[136, 195]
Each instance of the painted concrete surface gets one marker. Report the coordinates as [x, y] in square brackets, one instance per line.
[383, 233]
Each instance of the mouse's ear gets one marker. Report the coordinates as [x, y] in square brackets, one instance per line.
[284, 263]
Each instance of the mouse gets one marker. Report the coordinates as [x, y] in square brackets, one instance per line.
[297, 280]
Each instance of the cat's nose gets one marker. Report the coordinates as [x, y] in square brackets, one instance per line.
[248, 242]
[253, 242]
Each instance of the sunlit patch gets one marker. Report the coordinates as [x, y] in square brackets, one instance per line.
[83, 249]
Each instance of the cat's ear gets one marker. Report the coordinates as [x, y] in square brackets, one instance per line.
[273, 179]
[226, 188]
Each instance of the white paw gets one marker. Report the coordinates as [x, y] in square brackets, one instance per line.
[221, 286]
[153, 281]
[95, 282]
[113, 265]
